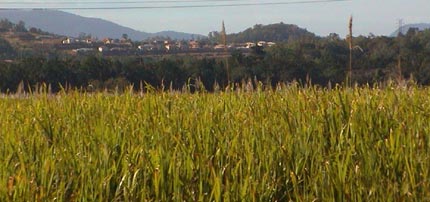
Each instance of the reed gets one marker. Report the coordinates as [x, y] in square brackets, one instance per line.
[298, 144]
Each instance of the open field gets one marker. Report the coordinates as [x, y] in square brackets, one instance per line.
[298, 144]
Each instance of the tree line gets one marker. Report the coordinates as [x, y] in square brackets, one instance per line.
[319, 60]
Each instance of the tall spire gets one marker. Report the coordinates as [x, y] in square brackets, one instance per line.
[223, 35]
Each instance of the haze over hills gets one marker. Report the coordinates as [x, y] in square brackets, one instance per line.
[405, 28]
[67, 24]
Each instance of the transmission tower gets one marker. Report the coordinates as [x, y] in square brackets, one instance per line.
[400, 23]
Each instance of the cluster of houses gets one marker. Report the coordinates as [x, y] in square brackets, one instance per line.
[126, 47]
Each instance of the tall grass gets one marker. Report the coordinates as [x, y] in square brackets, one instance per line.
[298, 144]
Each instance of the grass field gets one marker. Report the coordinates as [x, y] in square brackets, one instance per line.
[298, 144]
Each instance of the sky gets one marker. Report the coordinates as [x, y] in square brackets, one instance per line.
[379, 17]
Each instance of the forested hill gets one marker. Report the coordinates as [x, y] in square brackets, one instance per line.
[279, 32]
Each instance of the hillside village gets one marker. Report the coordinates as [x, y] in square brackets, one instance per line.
[124, 46]
[35, 41]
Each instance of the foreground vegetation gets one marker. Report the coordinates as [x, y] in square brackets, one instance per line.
[299, 144]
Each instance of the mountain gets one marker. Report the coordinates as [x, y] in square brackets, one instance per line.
[67, 24]
[405, 28]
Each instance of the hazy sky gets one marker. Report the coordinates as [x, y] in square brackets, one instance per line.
[379, 17]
